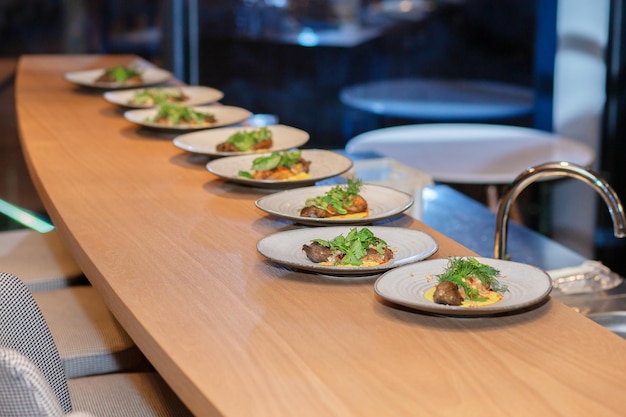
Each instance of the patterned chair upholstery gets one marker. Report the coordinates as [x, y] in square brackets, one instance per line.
[88, 337]
[40, 259]
[33, 381]
[24, 390]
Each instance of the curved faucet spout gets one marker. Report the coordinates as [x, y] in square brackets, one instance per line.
[555, 169]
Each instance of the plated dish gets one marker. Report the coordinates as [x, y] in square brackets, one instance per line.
[88, 78]
[194, 96]
[285, 248]
[324, 164]
[224, 116]
[383, 202]
[205, 142]
[407, 286]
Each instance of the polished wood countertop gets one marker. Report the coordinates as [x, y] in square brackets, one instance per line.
[172, 249]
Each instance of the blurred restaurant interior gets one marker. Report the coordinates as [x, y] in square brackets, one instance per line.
[293, 58]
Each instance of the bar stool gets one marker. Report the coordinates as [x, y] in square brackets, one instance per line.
[33, 380]
[88, 337]
[40, 258]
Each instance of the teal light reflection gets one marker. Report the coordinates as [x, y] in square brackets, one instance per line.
[25, 217]
[308, 37]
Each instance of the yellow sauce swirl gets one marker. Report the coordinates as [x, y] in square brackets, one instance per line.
[492, 298]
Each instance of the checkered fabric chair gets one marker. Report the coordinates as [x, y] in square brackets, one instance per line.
[88, 337]
[40, 259]
[33, 381]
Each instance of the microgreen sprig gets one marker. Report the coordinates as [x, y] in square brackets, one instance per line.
[272, 161]
[245, 140]
[176, 114]
[122, 73]
[156, 95]
[459, 269]
[338, 197]
[354, 245]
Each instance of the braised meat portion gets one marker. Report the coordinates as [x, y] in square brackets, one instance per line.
[283, 172]
[172, 114]
[278, 166]
[447, 292]
[122, 75]
[156, 96]
[339, 200]
[317, 252]
[373, 256]
[356, 204]
[110, 78]
[243, 141]
[314, 212]
[226, 147]
[357, 248]
[231, 147]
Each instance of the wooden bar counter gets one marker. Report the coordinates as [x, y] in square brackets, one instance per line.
[172, 249]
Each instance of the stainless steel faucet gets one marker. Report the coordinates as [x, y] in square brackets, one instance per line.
[555, 169]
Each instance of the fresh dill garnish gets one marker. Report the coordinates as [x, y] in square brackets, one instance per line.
[459, 270]
[338, 197]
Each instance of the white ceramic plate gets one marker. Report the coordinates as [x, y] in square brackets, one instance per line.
[224, 115]
[383, 202]
[285, 248]
[324, 164]
[87, 78]
[406, 286]
[204, 142]
[196, 95]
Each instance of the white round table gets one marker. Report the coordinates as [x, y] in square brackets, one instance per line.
[439, 99]
[469, 153]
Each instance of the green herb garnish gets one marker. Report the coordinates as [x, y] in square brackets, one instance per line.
[176, 114]
[272, 161]
[339, 197]
[245, 141]
[459, 270]
[156, 96]
[122, 73]
[354, 245]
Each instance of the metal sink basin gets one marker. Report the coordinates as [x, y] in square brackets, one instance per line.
[614, 321]
[607, 308]
[595, 302]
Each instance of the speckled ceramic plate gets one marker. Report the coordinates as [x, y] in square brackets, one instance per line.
[285, 248]
[204, 142]
[224, 116]
[196, 95]
[406, 286]
[383, 202]
[324, 164]
[87, 78]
